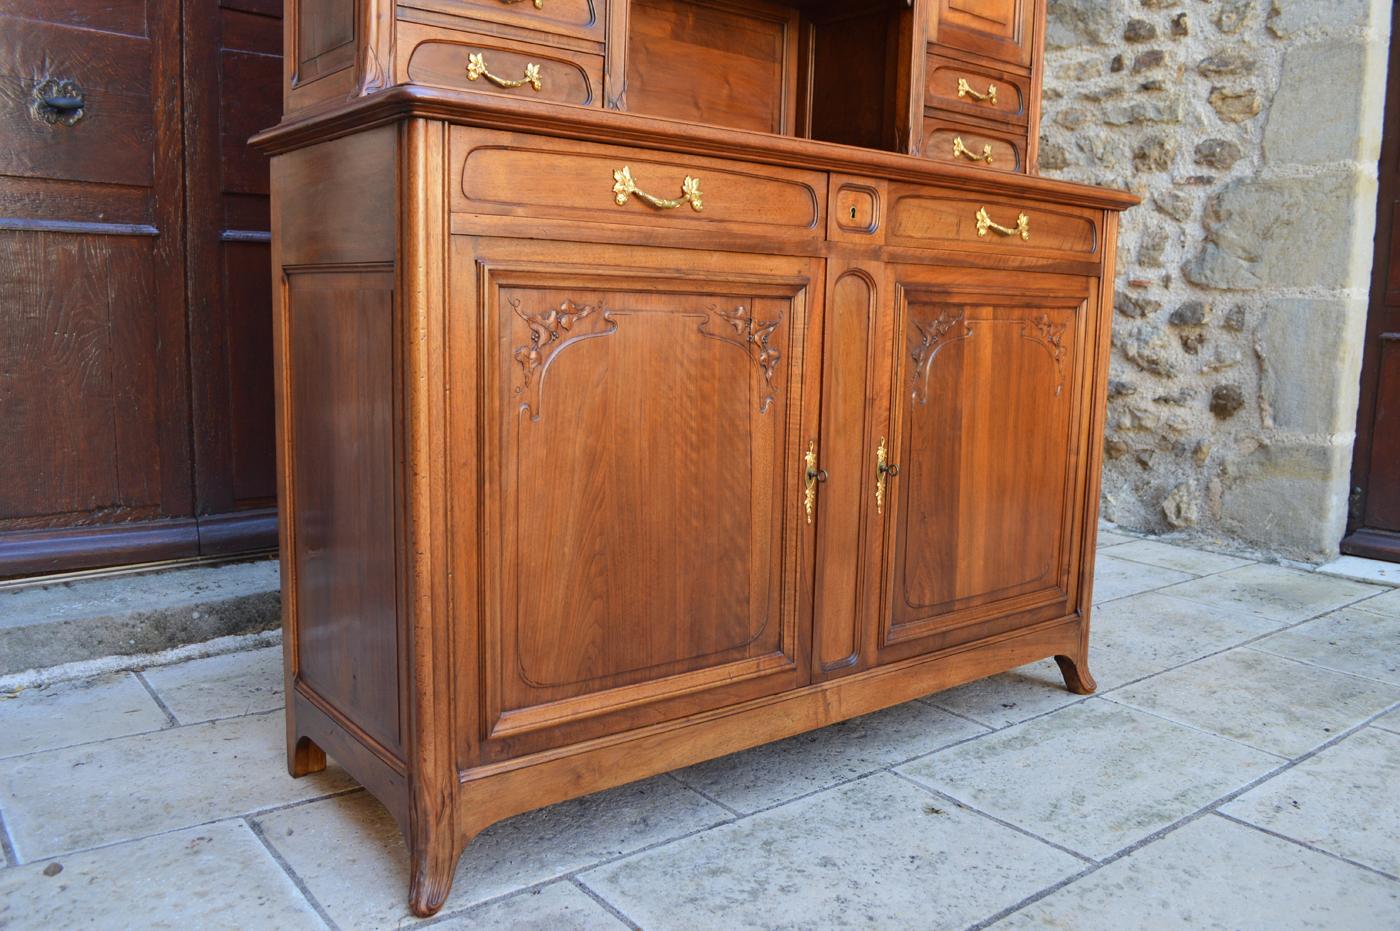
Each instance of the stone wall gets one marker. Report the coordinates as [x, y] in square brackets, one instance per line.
[1251, 129]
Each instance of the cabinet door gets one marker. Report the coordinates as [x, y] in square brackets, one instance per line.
[645, 523]
[991, 418]
[1000, 29]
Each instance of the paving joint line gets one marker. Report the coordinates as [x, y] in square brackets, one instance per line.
[1305, 845]
[160, 702]
[291, 873]
[7, 844]
[607, 906]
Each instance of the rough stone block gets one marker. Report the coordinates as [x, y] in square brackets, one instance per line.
[1289, 499]
[1079, 22]
[1303, 396]
[1291, 17]
[1316, 116]
[1287, 233]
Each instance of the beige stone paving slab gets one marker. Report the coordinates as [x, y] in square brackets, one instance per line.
[1118, 578]
[1266, 701]
[220, 686]
[1130, 638]
[1363, 570]
[1108, 538]
[1345, 800]
[1215, 875]
[77, 713]
[63, 800]
[1288, 595]
[1387, 603]
[1349, 640]
[1390, 722]
[209, 877]
[349, 853]
[876, 853]
[560, 906]
[1095, 777]
[1011, 697]
[777, 772]
[1180, 558]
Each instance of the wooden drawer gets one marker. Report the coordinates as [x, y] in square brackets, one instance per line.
[513, 174]
[964, 143]
[584, 19]
[939, 219]
[976, 90]
[538, 72]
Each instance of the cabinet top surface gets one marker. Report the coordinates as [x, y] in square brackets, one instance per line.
[607, 126]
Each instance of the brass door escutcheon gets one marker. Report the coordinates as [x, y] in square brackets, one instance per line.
[965, 90]
[539, 4]
[961, 150]
[476, 68]
[884, 470]
[56, 101]
[1022, 227]
[625, 187]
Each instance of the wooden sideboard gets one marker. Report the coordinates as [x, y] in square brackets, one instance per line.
[655, 381]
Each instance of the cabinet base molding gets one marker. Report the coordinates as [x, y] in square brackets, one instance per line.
[488, 794]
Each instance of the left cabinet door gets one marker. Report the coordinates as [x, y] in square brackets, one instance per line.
[644, 540]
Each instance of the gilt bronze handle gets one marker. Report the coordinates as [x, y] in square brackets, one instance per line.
[811, 477]
[1022, 227]
[961, 150]
[884, 470]
[57, 101]
[539, 4]
[476, 68]
[965, 90]
[625, 187]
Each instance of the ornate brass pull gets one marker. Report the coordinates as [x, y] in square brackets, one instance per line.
[539, 4]
[959, 149]
[884, 470]
[624, 187]
[57, 101]
[811, 476]
[476, 68]
[1022, 227]
[965, 90]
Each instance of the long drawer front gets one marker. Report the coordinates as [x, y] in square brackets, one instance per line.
[511, 174]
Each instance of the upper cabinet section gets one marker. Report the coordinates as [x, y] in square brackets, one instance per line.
[941, 78]
[999, 29]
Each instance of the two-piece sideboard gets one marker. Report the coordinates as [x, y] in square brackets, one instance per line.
[661, 378]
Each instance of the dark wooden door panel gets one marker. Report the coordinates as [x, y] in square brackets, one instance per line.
[991, 448]
[1373, 529]
[649, 430]
[92, 361]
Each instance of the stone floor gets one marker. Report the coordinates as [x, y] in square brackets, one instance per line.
[1239, 768]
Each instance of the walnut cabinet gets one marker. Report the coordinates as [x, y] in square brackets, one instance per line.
[612, 442]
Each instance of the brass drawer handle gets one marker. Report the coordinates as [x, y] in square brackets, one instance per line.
[57, 101]
[625, 187]
[539, 4]
[476, 68]
[965, 90]
[1022, 227]
[961, 150]
[810, 477]
[884, 471]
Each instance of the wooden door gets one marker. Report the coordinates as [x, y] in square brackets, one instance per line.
[1374, 526]
[990, 441]
[233, 72]
[93, 370]
[1000, 29]
[644, 505]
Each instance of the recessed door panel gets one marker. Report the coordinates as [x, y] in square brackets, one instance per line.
[997, 28]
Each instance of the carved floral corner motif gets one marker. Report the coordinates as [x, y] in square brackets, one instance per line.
[932, 337]
[753, 336]
[1051, 335]
[550, 331]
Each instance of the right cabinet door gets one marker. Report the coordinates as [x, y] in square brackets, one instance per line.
[990, 454]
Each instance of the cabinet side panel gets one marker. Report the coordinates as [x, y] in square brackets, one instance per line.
[340, 404]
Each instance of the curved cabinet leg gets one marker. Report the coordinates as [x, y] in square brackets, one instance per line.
[432, 870]
[1076, 673]
[303, 756]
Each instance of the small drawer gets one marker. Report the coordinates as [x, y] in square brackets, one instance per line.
[936, 218]
[582, 19]
[492, 65]
[966, 144]
[989, 93]
[511, 174]
[856, 209]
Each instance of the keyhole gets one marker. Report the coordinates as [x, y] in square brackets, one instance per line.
[853, 213]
